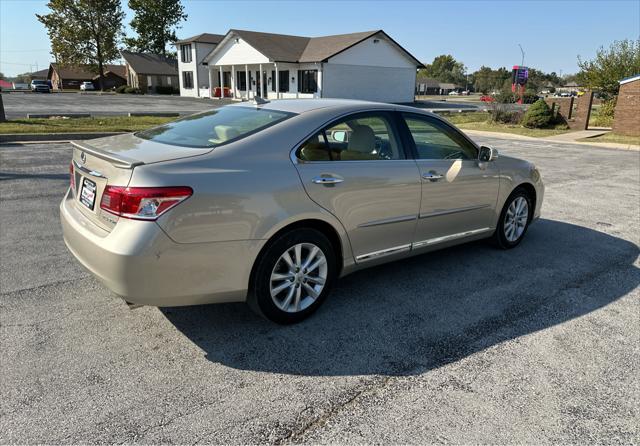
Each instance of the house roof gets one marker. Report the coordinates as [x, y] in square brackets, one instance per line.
[41, 74]
[287, 48]
[147, 63]
[428, 81]
[630, 79]
[571, 84]
[203, 38]
[84, 72]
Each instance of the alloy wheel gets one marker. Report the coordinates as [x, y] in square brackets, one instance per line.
[515, 220]
[298, 277]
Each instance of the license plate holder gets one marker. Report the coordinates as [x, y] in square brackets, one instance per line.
[88, 193]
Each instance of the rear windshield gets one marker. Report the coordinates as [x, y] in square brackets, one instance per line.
[215, 127]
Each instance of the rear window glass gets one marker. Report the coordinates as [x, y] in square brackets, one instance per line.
[215, 127]
[39, 82]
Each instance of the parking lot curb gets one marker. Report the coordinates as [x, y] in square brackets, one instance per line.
[46, 137]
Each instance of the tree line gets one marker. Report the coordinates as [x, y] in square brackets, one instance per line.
[89, 32]
[602, 73]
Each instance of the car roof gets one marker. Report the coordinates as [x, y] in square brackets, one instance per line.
[299, 106]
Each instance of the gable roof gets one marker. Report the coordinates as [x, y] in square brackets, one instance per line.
[287, 48]
[146, 63]
[83, 72]
[42, 74]
[203, 38]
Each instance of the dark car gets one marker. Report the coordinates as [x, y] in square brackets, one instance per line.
[40, 86]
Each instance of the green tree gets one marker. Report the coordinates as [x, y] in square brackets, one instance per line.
[445, 69]
[1, 75]
[155, 22]
[620, 60]
[537, 116]
[84, 32]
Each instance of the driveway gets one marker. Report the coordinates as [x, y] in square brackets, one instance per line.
[18, 105]
[466, 345]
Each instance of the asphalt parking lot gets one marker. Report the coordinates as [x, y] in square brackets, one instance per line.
[18, 105]
[467, 345]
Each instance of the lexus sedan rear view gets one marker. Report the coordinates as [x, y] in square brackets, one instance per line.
[270, 203]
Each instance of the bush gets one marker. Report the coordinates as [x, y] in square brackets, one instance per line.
[121, 89]
[537, 116]
[604, 115]
[504, 114]
[131, 90]
[168, 89]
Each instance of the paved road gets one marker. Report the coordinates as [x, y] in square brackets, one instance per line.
[18, 105]
[466, 345]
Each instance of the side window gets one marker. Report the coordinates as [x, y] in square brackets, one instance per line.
[361, 137]
[436, 140]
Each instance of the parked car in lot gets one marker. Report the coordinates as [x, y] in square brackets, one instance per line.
[487, 98]
[40, 86]
[87, 86]
[454, 93]
[271, 203]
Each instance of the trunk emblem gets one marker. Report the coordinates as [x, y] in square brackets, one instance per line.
[83, 157]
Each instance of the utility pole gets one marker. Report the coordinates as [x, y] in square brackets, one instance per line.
[3, 118]
[522, 51]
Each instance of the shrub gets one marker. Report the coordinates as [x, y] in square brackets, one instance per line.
[132, 90]
[504, 114]
[168, 89]
[121, 89]
[537, 116]
[604, 116]
[506, 97]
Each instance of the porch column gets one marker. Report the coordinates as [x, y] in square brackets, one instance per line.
[260, 78]
[246, 79]
[276, 80]
[221, 83]
[210, 69]
[233, 80]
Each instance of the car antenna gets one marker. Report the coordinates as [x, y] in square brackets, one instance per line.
[257, 100]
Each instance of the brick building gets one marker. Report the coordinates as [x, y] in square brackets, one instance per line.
[149, 71]
[626, 120]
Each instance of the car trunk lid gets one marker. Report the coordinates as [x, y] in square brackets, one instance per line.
[110, 161]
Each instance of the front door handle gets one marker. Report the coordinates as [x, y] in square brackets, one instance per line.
[327, 180]
[431, 176]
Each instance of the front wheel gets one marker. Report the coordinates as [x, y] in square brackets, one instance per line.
[293, 276]
[514, 219]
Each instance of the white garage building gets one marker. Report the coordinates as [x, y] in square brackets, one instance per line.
[367, 65]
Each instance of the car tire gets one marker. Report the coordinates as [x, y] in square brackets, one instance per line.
[514, 220]
[289, 278]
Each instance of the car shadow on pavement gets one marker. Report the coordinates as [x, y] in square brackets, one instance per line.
[417, 314]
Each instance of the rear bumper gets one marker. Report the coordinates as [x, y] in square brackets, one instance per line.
[139, 262]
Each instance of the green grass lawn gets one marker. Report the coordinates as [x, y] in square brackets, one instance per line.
[614, 137]
[480, 121]
[72, 125]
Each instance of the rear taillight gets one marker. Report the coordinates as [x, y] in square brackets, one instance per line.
[72, 179]
[142, 203]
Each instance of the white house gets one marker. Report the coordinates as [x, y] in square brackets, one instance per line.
[194, 76]
[367, 65]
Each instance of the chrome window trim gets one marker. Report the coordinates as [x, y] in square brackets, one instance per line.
[446, 238]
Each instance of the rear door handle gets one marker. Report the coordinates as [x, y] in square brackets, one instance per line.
[327, 180]
[431, 176]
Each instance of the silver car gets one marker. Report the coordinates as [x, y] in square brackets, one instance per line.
[271, 202]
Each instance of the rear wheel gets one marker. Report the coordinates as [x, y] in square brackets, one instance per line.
[514, 219]
[293, 276]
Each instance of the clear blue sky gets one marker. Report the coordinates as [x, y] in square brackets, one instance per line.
[477, 33]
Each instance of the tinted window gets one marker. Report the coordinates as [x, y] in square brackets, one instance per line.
[436, 140]
[359, 137]
[215, 127]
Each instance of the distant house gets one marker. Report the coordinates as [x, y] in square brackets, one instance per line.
[570, 87]
[149, 71]
[64, 77]
[191, 54]
[431, 86]
[40, 75]
[366, 65]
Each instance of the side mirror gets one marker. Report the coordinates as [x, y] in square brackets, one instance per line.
[487, 154]
[339, 135]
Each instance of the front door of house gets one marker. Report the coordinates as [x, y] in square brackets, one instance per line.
[260, 82]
